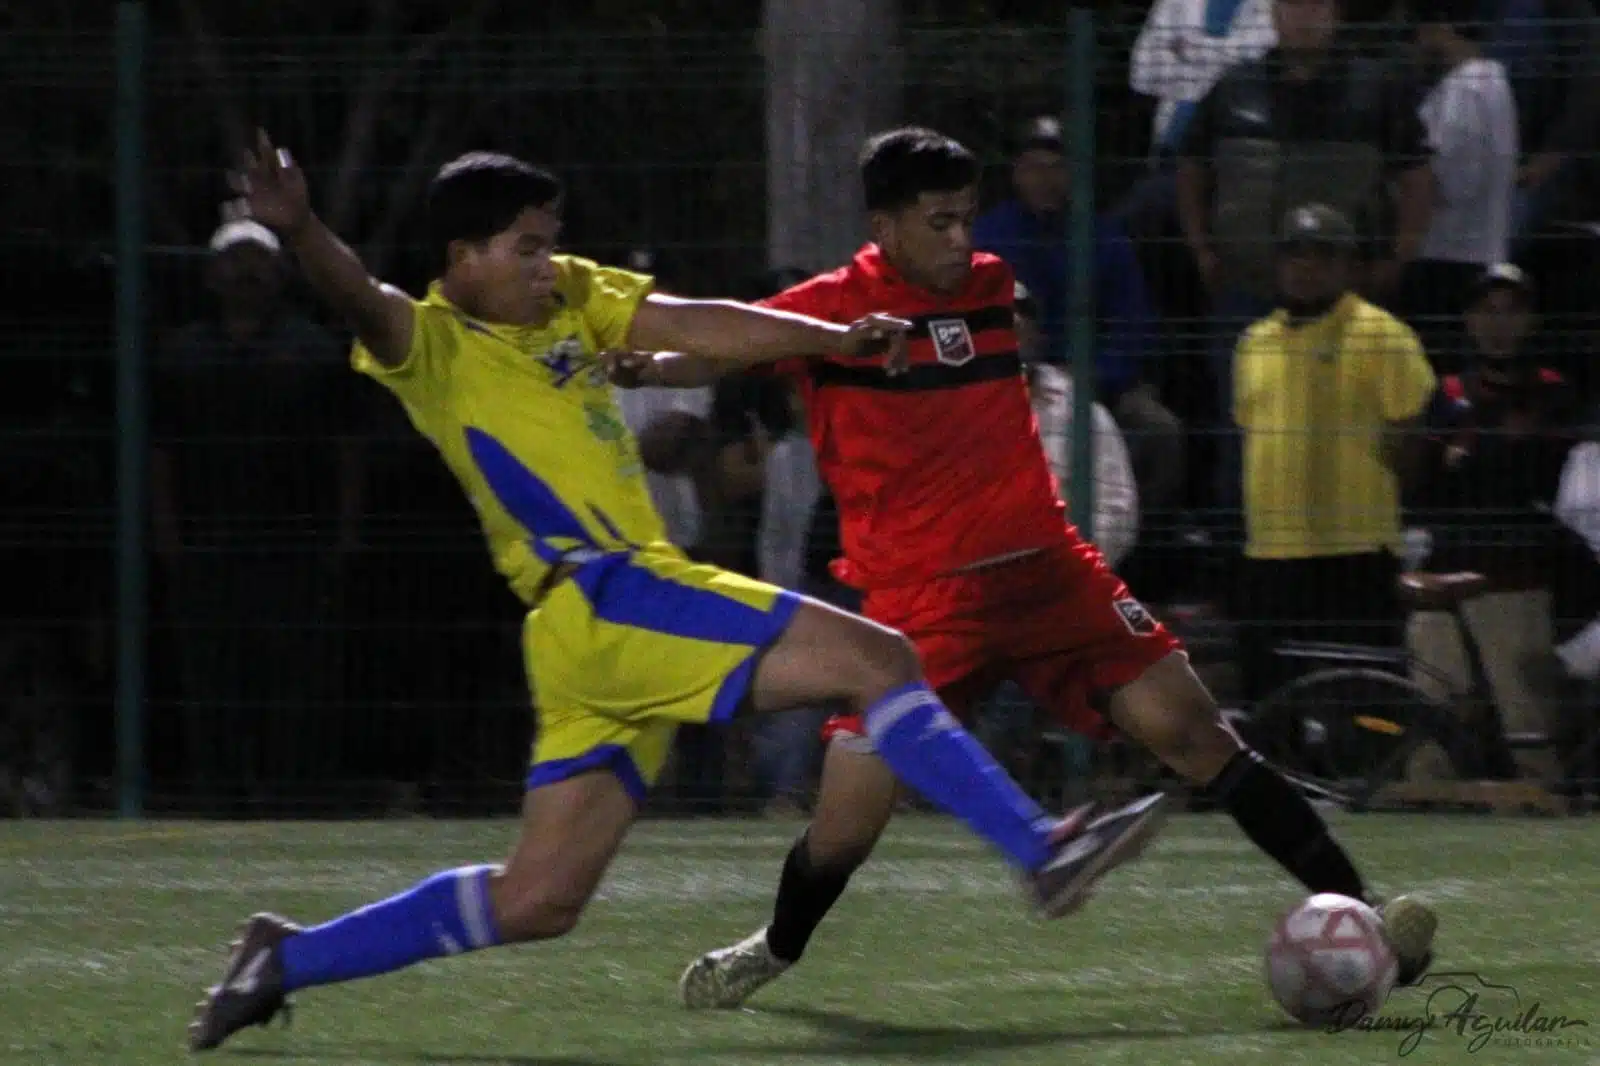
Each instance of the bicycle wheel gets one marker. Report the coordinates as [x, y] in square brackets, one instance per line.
[1353, 730]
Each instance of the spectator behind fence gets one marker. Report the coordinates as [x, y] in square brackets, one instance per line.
[1551, 52]
[788, 747]
[1573, 667]
[252, 525]
[1471, 121]
[1184, 48]
[660, 416]
[1029, 232]
[1325, 385]
[1305, 123]
[1500, 435]
[1116, 495]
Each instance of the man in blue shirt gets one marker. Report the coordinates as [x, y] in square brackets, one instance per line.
[1029, 232]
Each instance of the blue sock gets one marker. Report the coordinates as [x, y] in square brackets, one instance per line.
[927, 749]
[447, 914]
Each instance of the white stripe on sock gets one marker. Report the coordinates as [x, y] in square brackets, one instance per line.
[471, 903]
[885, 716]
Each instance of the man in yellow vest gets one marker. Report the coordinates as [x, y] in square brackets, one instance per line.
[1328, 390]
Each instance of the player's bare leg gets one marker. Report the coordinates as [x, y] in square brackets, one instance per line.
[1170, 712]
[828, 655]
[570, 831]
[855, 801]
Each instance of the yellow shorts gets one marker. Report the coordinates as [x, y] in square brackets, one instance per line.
[632, 645]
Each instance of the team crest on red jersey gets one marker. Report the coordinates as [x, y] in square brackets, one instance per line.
[952, 341]
[1135, 615]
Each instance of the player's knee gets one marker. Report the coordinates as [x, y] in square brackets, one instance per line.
[884, 660]
[533, 910]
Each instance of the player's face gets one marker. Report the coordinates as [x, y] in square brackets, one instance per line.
[1305, 25]
[1041, 180]
[509, 277]
[1313, 273]
[930, 242]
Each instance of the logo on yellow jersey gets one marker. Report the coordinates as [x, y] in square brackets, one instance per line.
[565, 360]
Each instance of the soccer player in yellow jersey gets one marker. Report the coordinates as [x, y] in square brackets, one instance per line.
[501, 366]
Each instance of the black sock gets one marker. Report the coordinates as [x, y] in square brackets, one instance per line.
[805, 895]
[1280, 821]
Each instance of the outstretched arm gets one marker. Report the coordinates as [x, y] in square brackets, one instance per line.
[273, 191]
[724, 331]
[689, 344]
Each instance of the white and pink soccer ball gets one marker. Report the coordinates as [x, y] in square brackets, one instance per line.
[1328, 962]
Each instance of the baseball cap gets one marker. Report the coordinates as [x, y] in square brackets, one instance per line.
[1042, 134]
[1317, 224]
[1502, 276]
[244, 231]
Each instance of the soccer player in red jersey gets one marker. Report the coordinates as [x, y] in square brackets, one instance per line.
[952, 527]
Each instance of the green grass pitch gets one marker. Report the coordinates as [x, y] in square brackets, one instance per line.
[108, 932]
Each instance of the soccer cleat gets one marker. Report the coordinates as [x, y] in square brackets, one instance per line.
[251, 991]
[1409, 925]
[725, 978]
[1087, 854]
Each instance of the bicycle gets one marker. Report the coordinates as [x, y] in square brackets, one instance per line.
[1353, 726]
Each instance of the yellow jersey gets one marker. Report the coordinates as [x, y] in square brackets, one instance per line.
[1315, 402]
[525, 418]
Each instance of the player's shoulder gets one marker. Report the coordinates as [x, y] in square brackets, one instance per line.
[581, 281]
[575, 278]
[822, 296]
[992, 277]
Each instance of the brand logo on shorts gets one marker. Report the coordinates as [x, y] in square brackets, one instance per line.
[952, 341]
[1138, 619]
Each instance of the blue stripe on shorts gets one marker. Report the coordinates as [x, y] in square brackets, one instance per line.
[613, 757]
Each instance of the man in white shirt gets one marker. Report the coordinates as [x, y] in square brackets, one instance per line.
[1471, 120]
[788, 752]
[673, 494]
[1185, 46]
[1116, 493]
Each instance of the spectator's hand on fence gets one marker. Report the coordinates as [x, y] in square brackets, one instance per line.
[879, 335]
[271, 188]
[626, 370]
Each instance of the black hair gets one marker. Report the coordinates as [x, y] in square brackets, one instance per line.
[480, 194]
[899, 166]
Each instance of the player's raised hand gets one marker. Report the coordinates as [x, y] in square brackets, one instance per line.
[625, 369]
[879, 335]
[271, 188]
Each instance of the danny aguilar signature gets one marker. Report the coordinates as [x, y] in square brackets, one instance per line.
[1454, 1005]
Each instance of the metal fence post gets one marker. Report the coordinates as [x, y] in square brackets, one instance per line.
[132, 605]
[1080, 257]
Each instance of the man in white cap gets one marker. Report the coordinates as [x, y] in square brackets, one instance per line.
[247, 515]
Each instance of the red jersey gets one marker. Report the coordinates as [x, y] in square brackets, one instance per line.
[939, 467]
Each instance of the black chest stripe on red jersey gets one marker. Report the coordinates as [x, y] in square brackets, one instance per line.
[924, 377]
[978, 320]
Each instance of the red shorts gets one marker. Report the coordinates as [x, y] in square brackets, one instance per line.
[1059, 623]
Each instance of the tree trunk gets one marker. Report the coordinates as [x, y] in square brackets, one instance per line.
[834, 77]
